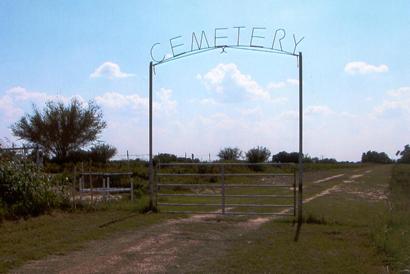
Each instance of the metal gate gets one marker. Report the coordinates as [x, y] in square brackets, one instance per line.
[226, 188]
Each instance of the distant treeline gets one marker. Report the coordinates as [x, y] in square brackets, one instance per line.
[255, 155]
[383, 158]
[262, 154]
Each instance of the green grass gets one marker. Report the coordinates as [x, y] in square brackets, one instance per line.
[393, 236]
[336, 237]
[332, 224]
[61, 232]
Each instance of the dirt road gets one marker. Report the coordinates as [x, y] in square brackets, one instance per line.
[183, 245]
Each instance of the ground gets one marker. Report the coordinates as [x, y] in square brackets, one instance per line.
[342, 208]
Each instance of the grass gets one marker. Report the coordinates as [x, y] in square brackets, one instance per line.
[336, 237]
[62, 232]
[393, 236]
[331, 225]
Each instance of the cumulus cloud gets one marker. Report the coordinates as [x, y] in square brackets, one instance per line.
[22, 94]
[110, 70]
[115, 100]
[15, 97]
[215, 79]
[398, 100]
[9, 109]
[282, 84]
[318, 110]
[359, 67]
[289, 115]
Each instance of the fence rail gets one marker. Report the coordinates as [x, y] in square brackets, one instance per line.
[220, 188]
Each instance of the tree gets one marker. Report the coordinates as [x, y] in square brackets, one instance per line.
[405, 155]
[165, 158]
[60, 128]
[101, 153]
[285, 157]
[258, 154]
[375, 157]
[230, 154]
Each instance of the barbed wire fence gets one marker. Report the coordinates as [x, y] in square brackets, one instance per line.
[127, 155]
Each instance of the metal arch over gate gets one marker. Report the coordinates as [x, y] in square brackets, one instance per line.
[276, 48]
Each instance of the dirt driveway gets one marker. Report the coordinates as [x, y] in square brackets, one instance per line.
[178, 245]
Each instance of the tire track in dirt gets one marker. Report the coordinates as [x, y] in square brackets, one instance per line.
[152, 250]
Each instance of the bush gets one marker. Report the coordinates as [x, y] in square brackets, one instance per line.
[258, 154]
[24, 191]
[286, 157]
[102, 153]
[165, 158]
[230, 154]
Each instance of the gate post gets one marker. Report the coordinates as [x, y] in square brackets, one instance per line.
[151, 164]
[223, 188]
[300, 165]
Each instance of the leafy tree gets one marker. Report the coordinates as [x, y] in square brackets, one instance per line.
[165, 158]
[61, 129]
[375, 157]
[230, 154]
[405, 155]
[258, 154]
[101, 153]
[285, 157]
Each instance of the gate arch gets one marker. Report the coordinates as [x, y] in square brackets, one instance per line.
[223, 49]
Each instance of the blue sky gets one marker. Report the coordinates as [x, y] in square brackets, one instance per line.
[356, 67]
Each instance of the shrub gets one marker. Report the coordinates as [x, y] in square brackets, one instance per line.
[24, 191]
[165, 158]
[285, 157]
[258, 154]
[230, 154]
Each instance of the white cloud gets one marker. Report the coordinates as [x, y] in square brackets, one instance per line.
[289, 115]
[9, 109]
[282, 84]
[359, 67]
[293, 82]
[19, 93]
[400, 92]
[110, 70]
[215, 79]
[251, 111]
[208, 102]
[318, 110]
[165, 102]
[14, 98]
[398, 100]
[115, 100]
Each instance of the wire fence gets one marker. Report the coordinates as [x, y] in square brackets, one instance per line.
[207, 157]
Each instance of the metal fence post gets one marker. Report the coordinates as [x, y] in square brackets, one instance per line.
[151, 164]
[74, 183]
[223, 189]
[294, 192]
[300, 177]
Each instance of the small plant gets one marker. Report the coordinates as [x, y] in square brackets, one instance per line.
[25, 191]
